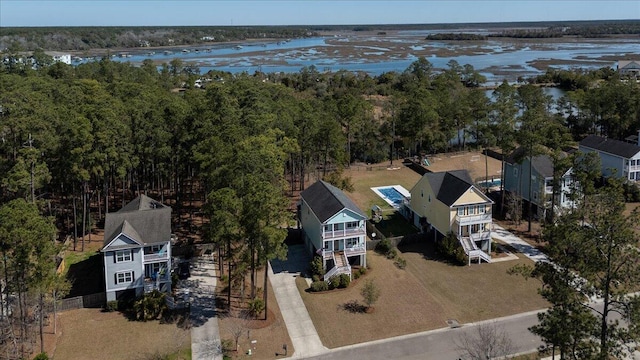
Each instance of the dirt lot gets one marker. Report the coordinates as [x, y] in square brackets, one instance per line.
[269, 334]
[474, 162]
[420, 298]
[93, 334]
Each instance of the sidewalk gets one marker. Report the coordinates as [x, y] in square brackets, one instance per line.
[302, 332]
[205, 333]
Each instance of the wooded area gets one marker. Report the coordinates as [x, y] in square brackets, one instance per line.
[102, 132]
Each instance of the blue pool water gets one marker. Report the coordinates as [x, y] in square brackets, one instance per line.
[493, 183]
[392, 194]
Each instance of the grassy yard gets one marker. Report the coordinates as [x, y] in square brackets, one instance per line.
[366, 177]
[420, 298]
[93, 334]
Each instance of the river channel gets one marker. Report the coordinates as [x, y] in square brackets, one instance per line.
[496, 58]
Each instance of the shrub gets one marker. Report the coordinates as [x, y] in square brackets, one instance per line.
[384, 246]
[356, 275]
[111, 306]
[334, 282]
[315, 278]
[150, 306]
[363, 270]
[317, 266]
[392, 254]
[449, 248]
[318, 286]
[370, 293]
[256, 306]
[401, 263]
[345, 280]
[41, 356]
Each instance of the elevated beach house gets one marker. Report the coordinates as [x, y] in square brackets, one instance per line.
[137, 249]
[617, 158]
[333, 227]
[444, 202]
[516, 181]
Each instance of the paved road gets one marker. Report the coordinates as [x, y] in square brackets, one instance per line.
[438, 344]
[205, 333]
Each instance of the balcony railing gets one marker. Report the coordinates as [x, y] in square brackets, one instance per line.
[160, 255]
[355, 250]
[548, 190]
[485, 235]
[342, 233]
[473, 219]
[350, 251]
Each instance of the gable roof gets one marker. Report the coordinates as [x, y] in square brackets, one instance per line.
[615, 147]
[632, 64]
[144, 220]
[543, 164]
[326, 200]
[449, 185]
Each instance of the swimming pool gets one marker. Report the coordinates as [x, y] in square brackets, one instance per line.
[492, 183]
[394, 195]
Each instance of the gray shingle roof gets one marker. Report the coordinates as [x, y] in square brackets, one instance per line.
[449, 185]
[615, 147]
[326, 200]
[541, 163]
[144, 220]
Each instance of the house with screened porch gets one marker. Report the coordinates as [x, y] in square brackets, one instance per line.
[444, 202]
[333, 227]
[137, 249]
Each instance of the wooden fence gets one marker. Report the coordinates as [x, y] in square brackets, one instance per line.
[86, 301]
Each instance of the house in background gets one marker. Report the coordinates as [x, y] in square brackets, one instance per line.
[333, 227]
[630, 68]
[516, 181]
[137, 249]
[617, 158]
[449, 202]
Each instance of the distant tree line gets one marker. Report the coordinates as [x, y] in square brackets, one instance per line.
[455, 36]
[85, 38]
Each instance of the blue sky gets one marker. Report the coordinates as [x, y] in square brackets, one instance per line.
[302, 12]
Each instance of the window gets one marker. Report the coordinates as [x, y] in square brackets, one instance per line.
[460, 211]
[515, 172]
[327, 228]
[481, 209]
[352, 242]
[124, 277]
[535, 195]
[123, 255]
[352, 225]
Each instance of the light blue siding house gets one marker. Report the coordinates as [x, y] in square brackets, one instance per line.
[516, 181]
[137, 249]
[333, 227]
[617, 158]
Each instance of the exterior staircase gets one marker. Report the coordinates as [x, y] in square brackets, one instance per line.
[472, 250]
[341, 265]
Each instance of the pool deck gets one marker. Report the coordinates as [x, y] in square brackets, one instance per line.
[399, 188]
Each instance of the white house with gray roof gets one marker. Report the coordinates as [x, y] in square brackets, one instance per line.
[137, 249]
[333, 227]
[617, 158]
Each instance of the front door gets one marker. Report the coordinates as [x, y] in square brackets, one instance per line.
[338, 245]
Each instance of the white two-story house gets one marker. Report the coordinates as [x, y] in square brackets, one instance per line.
[333, 227]
[617, 158]
[137, 249]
